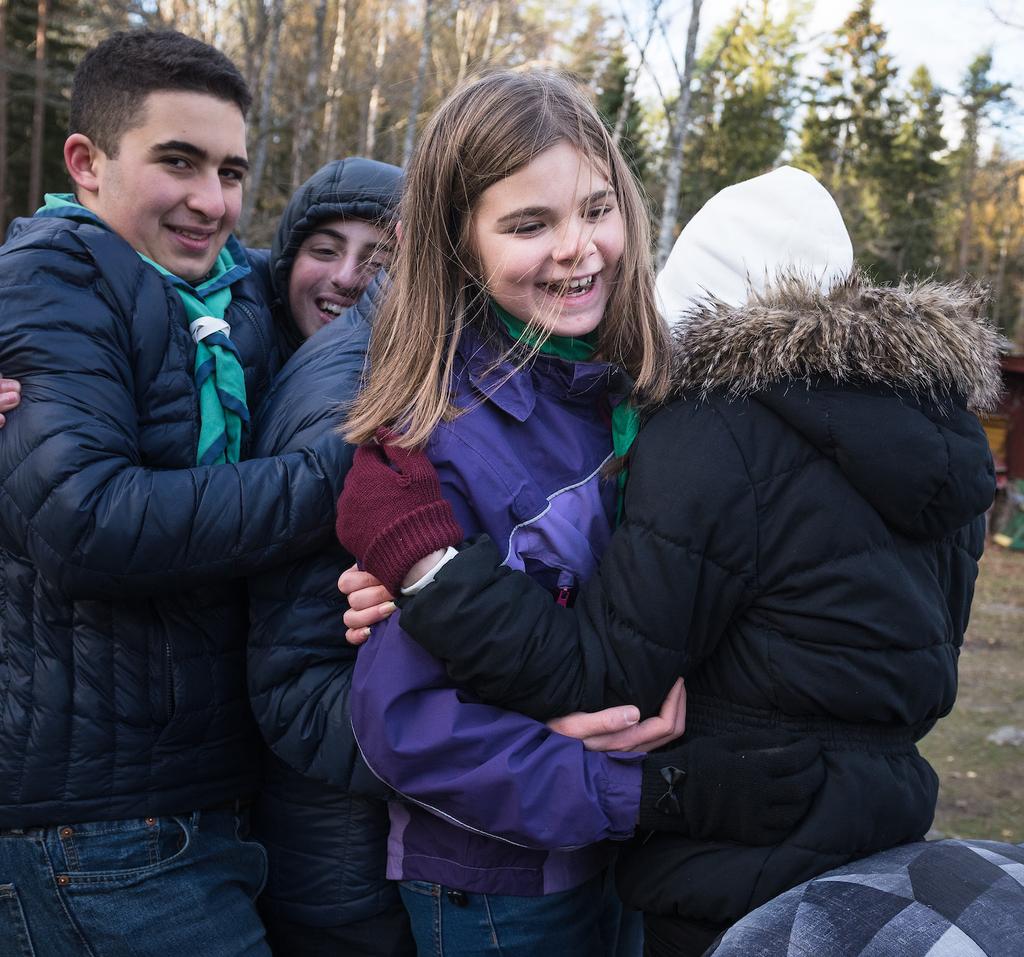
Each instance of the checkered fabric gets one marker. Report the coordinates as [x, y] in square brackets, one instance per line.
[929, 899]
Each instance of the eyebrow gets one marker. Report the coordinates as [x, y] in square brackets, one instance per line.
[196, 152]
[386, 246]
[529, 212]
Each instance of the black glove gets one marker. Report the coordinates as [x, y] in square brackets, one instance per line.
[751, 787]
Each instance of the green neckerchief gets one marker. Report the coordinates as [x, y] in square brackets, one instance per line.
[625, 418]
[220, 382]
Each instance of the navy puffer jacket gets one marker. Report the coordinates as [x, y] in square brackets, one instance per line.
[327, 847]
[122, 690]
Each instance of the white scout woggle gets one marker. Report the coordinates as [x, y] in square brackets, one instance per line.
[206, 326]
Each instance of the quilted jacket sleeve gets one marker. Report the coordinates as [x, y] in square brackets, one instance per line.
[299, 664]
[75, 497]
[676, 572]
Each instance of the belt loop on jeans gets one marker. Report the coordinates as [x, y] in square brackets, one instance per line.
[234, 806]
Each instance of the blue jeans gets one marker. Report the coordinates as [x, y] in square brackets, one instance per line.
[452, 923]
[147, 887]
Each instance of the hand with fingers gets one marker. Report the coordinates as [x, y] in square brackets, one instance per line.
[369, 603]
[751, 787]
[10, 396]
[391, 514]
[620, 729]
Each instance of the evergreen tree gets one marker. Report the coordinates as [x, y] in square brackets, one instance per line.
[747, 97]
[979, 100]
[910, 187]
[611, 89]
[852, 121]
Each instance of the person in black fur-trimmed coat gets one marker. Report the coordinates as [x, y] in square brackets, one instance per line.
[801, 533]
[326, 892]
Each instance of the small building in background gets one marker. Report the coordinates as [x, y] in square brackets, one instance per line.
[1005, 426]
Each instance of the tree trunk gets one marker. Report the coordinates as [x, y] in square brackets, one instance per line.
[677, 141]
[373, 103]
[629, 87]
[335, 84]
[259, 160]
[35, 168]
[417, 91]
[1018, 330]
[997, 286]
[968, 174]
[3, 115]
[627, 102]
[303, 135]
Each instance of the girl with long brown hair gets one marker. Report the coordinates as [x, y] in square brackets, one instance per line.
[518, 338]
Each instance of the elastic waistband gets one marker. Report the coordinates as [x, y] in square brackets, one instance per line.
[708, 715]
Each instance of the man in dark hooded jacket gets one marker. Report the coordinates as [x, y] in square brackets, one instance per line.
[326, 892]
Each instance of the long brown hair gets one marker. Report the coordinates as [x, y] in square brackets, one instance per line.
[485, 131]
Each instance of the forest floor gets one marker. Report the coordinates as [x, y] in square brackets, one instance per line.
[982, 780]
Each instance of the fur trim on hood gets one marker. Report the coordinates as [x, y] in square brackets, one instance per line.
[928, 339]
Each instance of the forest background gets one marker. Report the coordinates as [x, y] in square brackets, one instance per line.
[930, 180]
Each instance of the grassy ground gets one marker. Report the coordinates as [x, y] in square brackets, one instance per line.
[982, 792]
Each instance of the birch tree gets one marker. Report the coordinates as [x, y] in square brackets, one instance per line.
[335, 83]
[308, 102]
[677, 140]
[265, 118]
[373, 101]
[629, 89]
[35, 175]
[417, 91]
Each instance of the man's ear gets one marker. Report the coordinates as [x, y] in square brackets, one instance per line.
[82, 158]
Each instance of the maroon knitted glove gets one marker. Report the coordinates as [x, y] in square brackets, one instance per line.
[391, 513]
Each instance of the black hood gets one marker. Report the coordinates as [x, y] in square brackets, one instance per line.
[883, 381]
[354, 188]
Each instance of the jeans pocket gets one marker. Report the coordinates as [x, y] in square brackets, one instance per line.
[243, 835]
[13, 928]
[425, 888]
[118, 850]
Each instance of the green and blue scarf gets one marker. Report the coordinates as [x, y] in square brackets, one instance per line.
[625, 418]
[220, 382]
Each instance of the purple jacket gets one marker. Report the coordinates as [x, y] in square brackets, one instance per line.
[496, 802]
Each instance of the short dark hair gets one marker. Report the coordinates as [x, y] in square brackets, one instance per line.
[114, 79]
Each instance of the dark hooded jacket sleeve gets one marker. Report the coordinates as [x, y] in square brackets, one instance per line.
[299, 664]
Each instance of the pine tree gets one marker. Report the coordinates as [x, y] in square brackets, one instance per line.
[909, 188]
[745, 104]
[611, 90]
[852, 121]
[980, 98]
[67, 38]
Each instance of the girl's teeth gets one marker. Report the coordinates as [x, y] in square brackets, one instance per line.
[572, 286]
[330, 307]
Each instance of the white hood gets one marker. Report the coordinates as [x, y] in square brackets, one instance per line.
[784, 223]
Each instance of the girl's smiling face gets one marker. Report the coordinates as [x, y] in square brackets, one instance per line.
[548, 240]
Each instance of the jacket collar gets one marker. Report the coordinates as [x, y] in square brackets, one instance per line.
[927, 339]
[514, 390]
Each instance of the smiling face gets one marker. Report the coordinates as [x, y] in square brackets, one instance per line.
[548, 240]
[174, 189]
[332, 267]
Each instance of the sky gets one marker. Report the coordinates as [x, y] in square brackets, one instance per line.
[945, 35]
